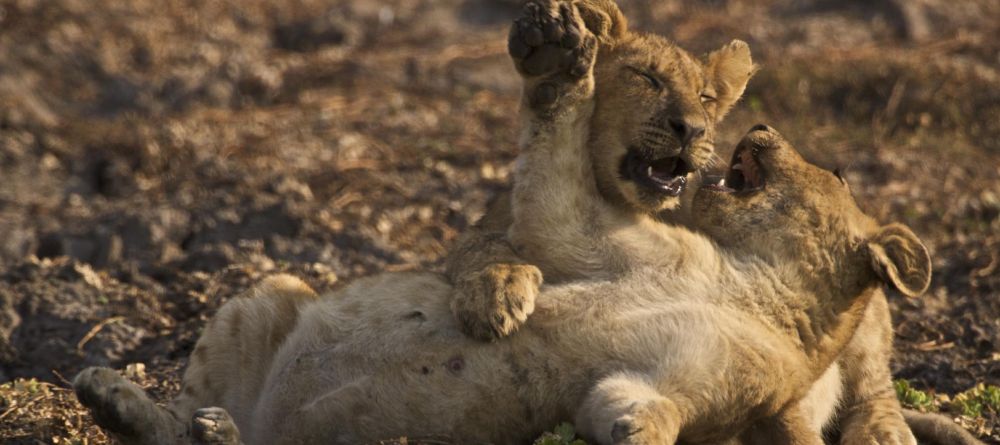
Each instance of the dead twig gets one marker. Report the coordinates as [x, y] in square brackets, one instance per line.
[94, 330]
[26, 405]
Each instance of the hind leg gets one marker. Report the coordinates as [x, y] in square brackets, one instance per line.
[792, 426]
[871, 412]
[625, 409]
[227, 369]
[123, 409]
[214, 426]
[234, 354]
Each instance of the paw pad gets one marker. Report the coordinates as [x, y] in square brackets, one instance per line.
[547, 39]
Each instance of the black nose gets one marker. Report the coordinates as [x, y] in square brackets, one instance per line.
[760, 127]
[685, 131]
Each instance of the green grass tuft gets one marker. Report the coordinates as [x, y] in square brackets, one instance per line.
[974, 402]
[913, 398]
[562, 434]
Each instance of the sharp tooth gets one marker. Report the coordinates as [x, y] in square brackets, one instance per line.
[722, 182]
[738, 167]
[649, 171]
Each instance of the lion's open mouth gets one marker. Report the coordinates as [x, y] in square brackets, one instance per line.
[744, 173]
[664, 175]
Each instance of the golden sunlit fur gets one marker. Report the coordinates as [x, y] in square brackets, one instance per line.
[722, 349]
[618, 92]
[497, 283]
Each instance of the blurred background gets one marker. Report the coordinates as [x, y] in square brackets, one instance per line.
[158, 157]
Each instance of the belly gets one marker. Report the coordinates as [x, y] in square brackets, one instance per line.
[384, 358]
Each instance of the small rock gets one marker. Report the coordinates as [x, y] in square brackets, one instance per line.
[311, 35]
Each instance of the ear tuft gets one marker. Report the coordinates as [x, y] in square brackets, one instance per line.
[729, 69]
[900, 259]
[603, 18]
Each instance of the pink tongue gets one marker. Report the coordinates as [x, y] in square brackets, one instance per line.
[663, 169]
[663, 177]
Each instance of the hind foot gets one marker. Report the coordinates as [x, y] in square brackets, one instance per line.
[123, 408]
[214, 426]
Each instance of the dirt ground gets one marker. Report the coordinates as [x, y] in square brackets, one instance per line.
[159, 157]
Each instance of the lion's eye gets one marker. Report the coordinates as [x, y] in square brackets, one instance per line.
[650, 78]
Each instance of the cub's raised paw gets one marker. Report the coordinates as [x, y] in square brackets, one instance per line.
[122, 407]
[214, 426]
[497, 300]
[549, 40]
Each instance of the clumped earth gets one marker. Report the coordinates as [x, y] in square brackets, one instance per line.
[159, 157]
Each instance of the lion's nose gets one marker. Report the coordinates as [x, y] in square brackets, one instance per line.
[685, 131]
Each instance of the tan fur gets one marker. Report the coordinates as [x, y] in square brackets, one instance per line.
[742, 337]
[608, 109]
[607, 120]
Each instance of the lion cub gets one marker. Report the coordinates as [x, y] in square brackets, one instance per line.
[612, 131]
[642, 114]
[754, 318]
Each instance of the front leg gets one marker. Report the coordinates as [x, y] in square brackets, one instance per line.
[872, 413]
[495, 289]
[495, 286]
[554, 196]
[554, 53]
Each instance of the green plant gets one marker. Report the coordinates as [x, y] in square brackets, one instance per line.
[562, 434]
[973, 402]
[912, 397]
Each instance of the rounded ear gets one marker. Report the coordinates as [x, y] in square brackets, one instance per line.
[729, 69]
[900, 259]
[603, 18]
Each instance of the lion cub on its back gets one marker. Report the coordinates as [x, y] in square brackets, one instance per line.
[755, 320]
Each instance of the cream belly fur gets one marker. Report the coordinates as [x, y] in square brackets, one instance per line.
[384, 358]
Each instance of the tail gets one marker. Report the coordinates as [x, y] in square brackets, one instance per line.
[935, 429]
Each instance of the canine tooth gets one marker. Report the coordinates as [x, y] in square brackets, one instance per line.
[649, 171]
[722, 182]
[737, 167]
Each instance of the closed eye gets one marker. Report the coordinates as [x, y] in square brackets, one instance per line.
[650, 78]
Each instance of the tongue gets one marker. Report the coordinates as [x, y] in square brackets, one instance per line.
[661, 176]
[663, 169]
